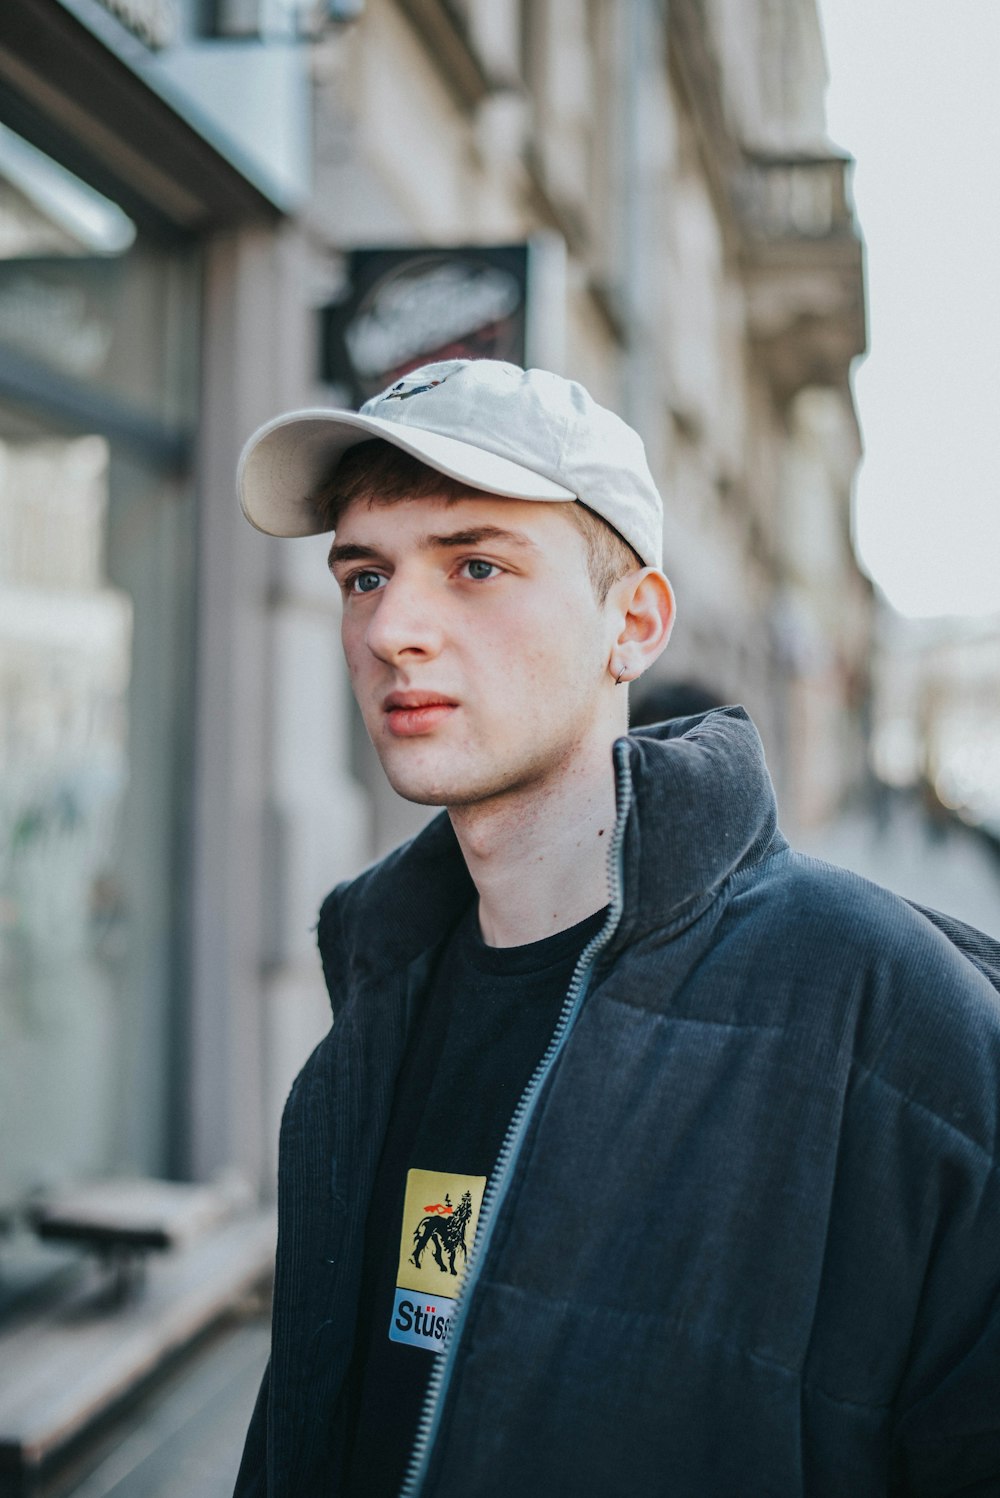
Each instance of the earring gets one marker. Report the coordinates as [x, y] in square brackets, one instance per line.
[618, 678]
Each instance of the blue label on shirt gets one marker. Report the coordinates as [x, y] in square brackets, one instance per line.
[420, 1320]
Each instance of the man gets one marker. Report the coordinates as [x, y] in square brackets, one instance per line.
[644, 1156]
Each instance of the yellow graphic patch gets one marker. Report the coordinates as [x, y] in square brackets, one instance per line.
[440, 1213]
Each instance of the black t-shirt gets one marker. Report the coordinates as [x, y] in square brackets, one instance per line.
[486, 1022]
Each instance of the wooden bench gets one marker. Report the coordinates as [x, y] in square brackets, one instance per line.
[189, 1259]
[126, 1219]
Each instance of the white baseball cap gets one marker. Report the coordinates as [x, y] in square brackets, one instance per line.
[519, 433]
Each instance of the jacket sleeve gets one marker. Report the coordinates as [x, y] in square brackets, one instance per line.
[947, 1415]
[948, 1442]
[251, 1481]
[947, 1418]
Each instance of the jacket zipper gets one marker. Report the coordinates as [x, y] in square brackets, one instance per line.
[510, 1150]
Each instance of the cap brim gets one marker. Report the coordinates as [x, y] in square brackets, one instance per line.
[288, 460]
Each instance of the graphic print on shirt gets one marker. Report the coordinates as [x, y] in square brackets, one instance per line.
[440, 1213]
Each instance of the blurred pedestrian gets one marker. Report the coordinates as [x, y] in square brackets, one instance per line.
[644, 1156]
[672, 699]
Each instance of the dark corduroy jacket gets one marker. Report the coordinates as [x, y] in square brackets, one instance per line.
[745, 1239]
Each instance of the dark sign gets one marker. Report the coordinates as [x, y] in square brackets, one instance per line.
[154, 22]
[406, 307]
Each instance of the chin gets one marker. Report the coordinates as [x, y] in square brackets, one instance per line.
[423, 789]
[428, 791]
[455, 790]
[438, 785]
[419, 795]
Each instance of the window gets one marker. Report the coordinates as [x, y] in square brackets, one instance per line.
[98, 326]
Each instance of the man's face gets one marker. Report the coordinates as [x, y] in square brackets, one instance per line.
[476, 647]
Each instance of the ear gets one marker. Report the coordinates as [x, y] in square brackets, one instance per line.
[643, 609]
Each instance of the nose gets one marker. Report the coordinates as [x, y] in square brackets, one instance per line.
[404, 624]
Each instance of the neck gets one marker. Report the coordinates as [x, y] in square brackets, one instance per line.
[538, 855]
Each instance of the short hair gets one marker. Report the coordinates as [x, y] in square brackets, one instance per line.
[378, 473]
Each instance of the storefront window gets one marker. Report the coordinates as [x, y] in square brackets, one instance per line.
[98, 328]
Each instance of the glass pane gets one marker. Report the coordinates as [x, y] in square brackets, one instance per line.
[83, 294]
[94, 594]
[65, 660]
[96, 568]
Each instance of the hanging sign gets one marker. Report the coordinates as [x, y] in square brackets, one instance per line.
[154, 22]
[406, 307]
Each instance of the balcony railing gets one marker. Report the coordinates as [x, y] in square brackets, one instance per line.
[803, 267]
[795, 197]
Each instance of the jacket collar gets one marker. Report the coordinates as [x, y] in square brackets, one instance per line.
[703, 808]
[700, 806]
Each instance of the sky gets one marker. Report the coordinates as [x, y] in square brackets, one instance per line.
[914, 96]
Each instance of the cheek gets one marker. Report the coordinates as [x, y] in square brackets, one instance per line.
[352, 643]
[539, 669]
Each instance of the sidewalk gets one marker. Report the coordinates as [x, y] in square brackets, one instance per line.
[184, 1437]
[948, 867]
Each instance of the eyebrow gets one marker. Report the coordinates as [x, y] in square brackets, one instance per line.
[352, 551]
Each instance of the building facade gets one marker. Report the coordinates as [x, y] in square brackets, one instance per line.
[180, 187]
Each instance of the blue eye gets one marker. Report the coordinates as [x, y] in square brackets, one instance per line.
[366, 582]
[480, 570]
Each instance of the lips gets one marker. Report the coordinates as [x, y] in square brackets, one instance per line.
[408, 714]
